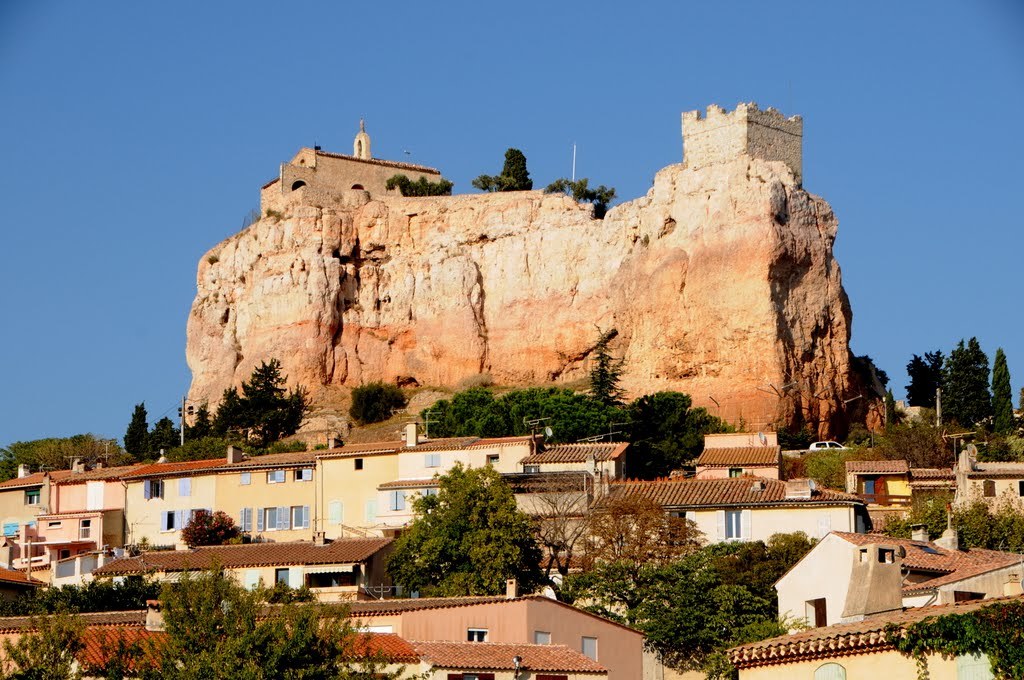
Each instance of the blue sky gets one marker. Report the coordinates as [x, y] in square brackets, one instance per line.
[134, 136]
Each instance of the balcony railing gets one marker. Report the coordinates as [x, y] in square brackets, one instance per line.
[883, 498]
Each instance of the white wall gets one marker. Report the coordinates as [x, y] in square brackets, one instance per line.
[823, 572]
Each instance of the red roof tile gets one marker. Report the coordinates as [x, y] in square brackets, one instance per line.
[15, 577]
[488, 656]
[385, 646]
[377, 161]
[34, 479]
[577, 453]
[100, 645]
[877, 467]
[929, 474]
[171, 469]
[502, 441]
[342, 551]
[741, 456]
[737, 491]
[843, 639]
[137, 617]
[98, 474]
[409, 484]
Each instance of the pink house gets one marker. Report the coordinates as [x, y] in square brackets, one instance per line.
[739, 454]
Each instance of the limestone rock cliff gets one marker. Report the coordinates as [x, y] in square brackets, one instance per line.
[721, 282]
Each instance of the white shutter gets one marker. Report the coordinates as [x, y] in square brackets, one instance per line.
[720, 516]
[94, 495]
[745, 534]
[973, 667]
[185, 486]
[371, 512]
[252, 578]
[833, 671]
[305, 516]
[824, 525]
[335, 510]
[165, 521]
[182, 519]
[295, 577]
[259, 519]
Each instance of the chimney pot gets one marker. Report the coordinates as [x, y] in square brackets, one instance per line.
[918, 532]
[511, 589]
[332, 442]
[23, 471]
[235, 454]
[411, 436]
[154, 617]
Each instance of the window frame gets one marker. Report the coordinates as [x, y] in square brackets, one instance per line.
[583, 647]
[33, 497]
[277, 476]
[431, 460]
[396, 500]
[476, 634]
[245, 479]
[301, 476]
[738, 515]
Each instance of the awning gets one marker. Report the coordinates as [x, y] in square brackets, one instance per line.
[329, 569]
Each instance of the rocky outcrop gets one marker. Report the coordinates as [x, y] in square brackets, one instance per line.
[721, 282]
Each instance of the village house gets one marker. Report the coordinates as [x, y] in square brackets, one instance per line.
[22, 500]
[890, 487]
[350, 476]
[740, 454]
[989, 482]
[751, 508]
[859, 649]
[869, 574]
[345, 569]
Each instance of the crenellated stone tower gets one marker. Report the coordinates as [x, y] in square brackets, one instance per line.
[723, 135]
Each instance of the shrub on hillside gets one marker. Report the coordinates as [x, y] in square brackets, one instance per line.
[375, 402]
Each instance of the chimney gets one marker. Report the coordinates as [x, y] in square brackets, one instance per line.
[319, 538]
[77, 466]
[511, 589]
[918, 532]
[235, 454]
[799, 489]
[332, 441]
[949, 540]
[1013, 584]
[411, 438]
[876, 581]
[162, 458]
[23, 471]
[758, 485]
[154, 617]
[98, 465]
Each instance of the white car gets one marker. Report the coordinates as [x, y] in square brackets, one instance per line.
[819, 446]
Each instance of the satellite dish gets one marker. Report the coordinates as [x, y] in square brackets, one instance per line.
[548, 432]
[762, 439]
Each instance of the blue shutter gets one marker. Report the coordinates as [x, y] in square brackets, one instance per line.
[146, 490]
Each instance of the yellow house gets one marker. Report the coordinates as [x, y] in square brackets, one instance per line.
[161, 498]
[350, 476]
[850, 651]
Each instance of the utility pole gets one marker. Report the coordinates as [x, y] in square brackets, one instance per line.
[574, 161]
[181, 419]
[938, 407]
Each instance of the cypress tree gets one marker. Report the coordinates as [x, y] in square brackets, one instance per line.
[514, 175]
[965, 393]
[136, 437]
[925, 376]
[605, 374]
[1002, 394]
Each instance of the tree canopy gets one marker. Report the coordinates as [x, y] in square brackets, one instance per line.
[666, 432]
[581, 191]
[965, 380]
[925, 377]
[1002, 395]
[513, 177]
[265, 410]
[421, 187]
[375, 402]
[58, 453]
[209, 528]
[136, 437]
[468, 539]
[606, 371]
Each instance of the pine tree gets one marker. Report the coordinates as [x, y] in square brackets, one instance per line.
[606, 372]
[164, 436]
[925, 377]
[513, 177]
[892, 416]
[136, 437]
[965, 393]
[1002, 395]
[201, 424]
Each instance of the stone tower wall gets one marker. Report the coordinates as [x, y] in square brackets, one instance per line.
[721, 136]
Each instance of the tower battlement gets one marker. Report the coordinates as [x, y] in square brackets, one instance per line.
[722, 135]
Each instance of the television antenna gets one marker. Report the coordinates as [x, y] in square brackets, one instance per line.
[532, 423]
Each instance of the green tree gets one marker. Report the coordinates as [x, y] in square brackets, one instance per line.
[48, 652]
[230, 417]
[164, 436]
[918, 442]
[925, 377]
[513, 177]
[57, 453]
[606, 372]
[580, 191]
[965, 396]
[202, 424]
[375, 402]
[209, 528]
[1002, 395]
[468, 539]
[665, 433]
[136, 437]
[270, 411]
[892, 416]
[421, 187]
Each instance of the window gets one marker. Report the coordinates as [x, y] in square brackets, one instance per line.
[300, 517]
[10, 528]
[274, 519]
[735, 472]
[816, 613]
[869, 485]
[335, 512]
[544, 676]
[185, 486]
[245, 479]
[733, 525]
[541, 637]
[476, 635]
[966, 596]
[429, 492]
[431, 460]
[53, 525]
[281, 576]
[170, 520]
[63, 554]
[32, 497]
[275, 477]
[358, 463]
[396, 500]
[1020, 488]
[85, 529]
[588, 645]
[304, 475]
[973, 667]
[830, 671]
[153, 488]
[493, 459]
[245, 519]
[94, 495]
[252, 578]
[989, 487]
[531, 469]
[370, 512]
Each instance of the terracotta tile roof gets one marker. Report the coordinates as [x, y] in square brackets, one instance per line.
[545, 482]
[371, 448]
[877, 467]
[342, 551]
[385, 646]
[929, 474]
[377, 161]
[845, 639]
[441, 444]
[446, 444]
[18, 578]
[100, 644]
[741, 456]
[271, 183]
[101, 474]
[577, 453]
[34, 479]
[502, 441]
[409, 484]
[737, 491]
[486, 656]
[136, 617]
[949, 566]
[214, 465]
[171, 469]
[294, 458]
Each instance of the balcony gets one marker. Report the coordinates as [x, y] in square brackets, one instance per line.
[885, 499]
